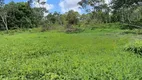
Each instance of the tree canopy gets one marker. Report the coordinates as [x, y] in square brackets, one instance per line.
[24, 15]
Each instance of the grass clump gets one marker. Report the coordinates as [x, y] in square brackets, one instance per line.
[135, 47]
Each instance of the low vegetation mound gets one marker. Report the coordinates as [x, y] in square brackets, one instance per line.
[135, 47]
[74, 30]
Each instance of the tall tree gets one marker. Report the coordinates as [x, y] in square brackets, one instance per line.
[3, 14]
[125, 9]
[99, 9]
[128, 12]
[72, 18]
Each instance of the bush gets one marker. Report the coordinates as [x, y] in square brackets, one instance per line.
[126, 26]
[135, 47]
[73, 30]
[46, 28]
[104, 26]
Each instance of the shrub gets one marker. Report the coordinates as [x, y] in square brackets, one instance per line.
[73, 30]
[105, 26]
[135, 47]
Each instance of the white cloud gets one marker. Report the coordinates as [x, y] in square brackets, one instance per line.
[43, 4]
[67, 5]
[107, 1]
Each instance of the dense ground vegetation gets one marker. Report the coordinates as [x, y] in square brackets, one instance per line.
[104, 43]
[57, 55]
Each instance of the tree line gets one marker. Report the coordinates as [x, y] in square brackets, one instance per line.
[23, 15]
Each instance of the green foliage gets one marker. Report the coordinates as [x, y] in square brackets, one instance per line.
[53, 18]
[102, 26]
[23, 15]
[128, 12]
[74, 30]
[99, 11]
[20, 15]
[53, 56]
[135, 47]
[121, 3]
[72, 17]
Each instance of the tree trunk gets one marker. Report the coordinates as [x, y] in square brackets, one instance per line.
[6, 27]
[4, 19]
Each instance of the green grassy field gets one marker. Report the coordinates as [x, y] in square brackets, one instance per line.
[90, 55]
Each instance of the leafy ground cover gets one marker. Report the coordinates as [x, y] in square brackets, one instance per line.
[135, 46]
[97, 54]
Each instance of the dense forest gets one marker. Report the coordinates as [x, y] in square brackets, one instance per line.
[23, 15]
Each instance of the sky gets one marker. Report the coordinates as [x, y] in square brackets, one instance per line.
[61, 6]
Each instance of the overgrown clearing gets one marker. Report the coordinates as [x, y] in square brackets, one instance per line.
[97, 54]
